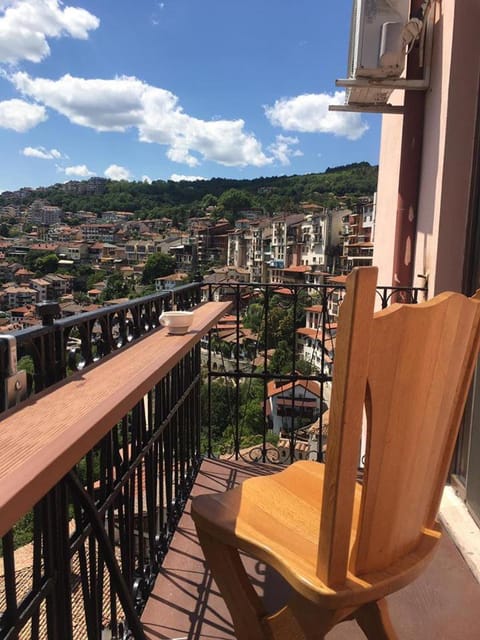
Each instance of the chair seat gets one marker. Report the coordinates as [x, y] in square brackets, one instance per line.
[276, 518]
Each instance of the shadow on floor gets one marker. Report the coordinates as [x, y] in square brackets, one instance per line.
[443, 604]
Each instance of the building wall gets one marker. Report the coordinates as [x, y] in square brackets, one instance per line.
[450, 115]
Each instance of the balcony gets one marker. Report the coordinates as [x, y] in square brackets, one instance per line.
[97, 467]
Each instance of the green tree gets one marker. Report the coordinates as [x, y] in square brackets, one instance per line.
[4, 230]
[208, 200]
[157, 265]
[116, 288]
[221, 407]
[47, 263]
[281, 361]
[235, 200]
[254, 316]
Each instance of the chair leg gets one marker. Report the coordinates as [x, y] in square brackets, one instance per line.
[374, 620]
[300, 619]
[245, 606]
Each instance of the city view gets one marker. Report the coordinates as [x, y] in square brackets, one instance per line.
[299, 184]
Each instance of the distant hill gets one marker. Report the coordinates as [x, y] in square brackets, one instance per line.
[180, 200]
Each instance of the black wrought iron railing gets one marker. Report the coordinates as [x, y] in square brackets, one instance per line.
[83, 562]
[62, 346]
[270, 369]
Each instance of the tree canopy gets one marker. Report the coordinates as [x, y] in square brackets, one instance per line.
[182, 200]
[157, 265]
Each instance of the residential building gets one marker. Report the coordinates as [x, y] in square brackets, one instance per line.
[42, 213]
[22, 275]
[358, 237]
[92, 232]
[212, 242]
[300, 400]
[258, 251]
[78, 251]
[167, 283]
[42, 287]
[138, 251]
[14, 296]
[24, 316]
[60, 284]
[313, 239]
[284, 246]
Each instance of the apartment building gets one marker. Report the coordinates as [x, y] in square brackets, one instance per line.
[60, 284]
[102, 232]
[212, 242]
[75, 251]
[167, 283]
[284, 248]
[41, 213]
[42, 287]
[314, 233]
[13, 296]
[359, 226]
[139, 251]
[238, 242]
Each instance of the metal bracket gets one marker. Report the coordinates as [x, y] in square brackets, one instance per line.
[16, 381]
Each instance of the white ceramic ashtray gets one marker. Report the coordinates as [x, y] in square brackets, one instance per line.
[177, 322]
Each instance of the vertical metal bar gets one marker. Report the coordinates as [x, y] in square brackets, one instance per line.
[265, 369]
[123, 593]
[10, 615]
[37, 567]
[209, 396]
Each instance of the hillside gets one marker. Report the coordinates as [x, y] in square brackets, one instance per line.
[336, 186]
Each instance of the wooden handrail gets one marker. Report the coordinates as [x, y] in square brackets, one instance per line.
[43, 439]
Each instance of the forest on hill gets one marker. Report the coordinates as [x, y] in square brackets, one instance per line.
[180, 200]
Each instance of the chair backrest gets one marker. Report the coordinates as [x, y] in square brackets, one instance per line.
[414, 369]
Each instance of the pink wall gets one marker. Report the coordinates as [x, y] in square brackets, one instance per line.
[450, 116]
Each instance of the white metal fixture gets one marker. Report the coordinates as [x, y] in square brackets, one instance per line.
[382, 35]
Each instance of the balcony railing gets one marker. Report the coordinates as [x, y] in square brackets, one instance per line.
[270, 374]
[94, 476]
[61, 347]
[96, 470]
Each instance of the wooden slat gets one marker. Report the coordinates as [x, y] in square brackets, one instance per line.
[345, 424]
[415, 404]
[46, 437]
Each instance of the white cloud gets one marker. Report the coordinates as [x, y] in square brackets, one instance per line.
[282, 149]
[25, 26]
[20, 115]
[147, 179]
[309, 113]
[42, 153]
[125, 102]
[176, 177]
[78, 171]
[116, 172]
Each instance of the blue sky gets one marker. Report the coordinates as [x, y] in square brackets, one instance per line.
[179, 88]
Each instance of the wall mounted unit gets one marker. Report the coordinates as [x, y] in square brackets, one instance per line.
[376, 46]
[382, 34]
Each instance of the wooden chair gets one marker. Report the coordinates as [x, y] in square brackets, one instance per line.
[342, 546]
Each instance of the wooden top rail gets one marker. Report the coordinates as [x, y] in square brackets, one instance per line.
[41, 441]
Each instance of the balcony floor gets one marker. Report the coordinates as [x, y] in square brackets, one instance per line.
[442, 604]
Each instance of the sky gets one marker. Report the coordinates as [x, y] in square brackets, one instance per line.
[171, 90]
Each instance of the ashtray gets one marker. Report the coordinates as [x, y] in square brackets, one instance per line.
[177, 322]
